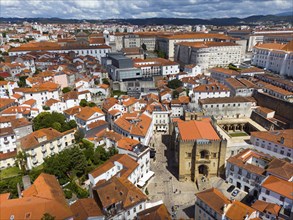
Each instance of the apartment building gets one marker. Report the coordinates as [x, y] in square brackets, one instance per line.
[213, 205]
[126, 199]
[278, 143]
[6, 88]
[208, 54]
[43, 143]
[278, 191]
[156, 67]
[274, 57]
[167, 43]
[97, 51]
[213, 90]
[135, 126]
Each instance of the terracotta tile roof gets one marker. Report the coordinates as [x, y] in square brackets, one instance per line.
[280, 168]
[31, 140]
[86, 112]
[184, 99]
[275, 136]
[137, 125]
[85, 209]
[47, 86]
[235, 99]
[263, 206]
[207, 44]
[129, 165]
[108, 103]
[159, 212]
[114, 112]
[224, 71]
[279, 186]
[276, 46]
[104, 86]
[214, 199]
[6, 119]
[16, 96]
[127, 143]
[30, 102]
[119, 190]
[112, 135]
[215, 87]
[5, 102]
[97, 124]
[238, 210]
[45, 194]
[241, 159]
[252, 70]
[234, 83]
[194, 35]
[201, 130]
[6, 131]
[73, 110]
[129, 102]
[20, 122]
[11, 154]
[51, 102]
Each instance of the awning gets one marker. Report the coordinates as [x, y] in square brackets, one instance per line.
[145, 178]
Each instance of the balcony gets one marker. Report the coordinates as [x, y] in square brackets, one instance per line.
[33, 154]
[6, 142]
[44, 150]
[35, 162]
[52, 147]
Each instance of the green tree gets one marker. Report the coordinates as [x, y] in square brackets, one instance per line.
[54, 120]
[161, 54]
[106, 81]
[79, 135]
[21, 160]
[47, 216]
[1, 78]
[22, 82]
[144, 47]
[174, 84]
[175, 94]
[92, 104]
[66, 89]
[83, 103]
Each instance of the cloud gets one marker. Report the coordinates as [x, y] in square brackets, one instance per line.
[105, 9]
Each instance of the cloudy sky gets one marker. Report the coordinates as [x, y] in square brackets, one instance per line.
[105, 9]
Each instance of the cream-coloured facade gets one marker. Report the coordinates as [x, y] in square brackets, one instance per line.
[166, 44]
[208, 54]
[43, 143]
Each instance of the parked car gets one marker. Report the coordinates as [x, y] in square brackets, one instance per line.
[231, 188]
[235, 192]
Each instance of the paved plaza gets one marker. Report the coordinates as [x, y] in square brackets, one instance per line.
[165, 186]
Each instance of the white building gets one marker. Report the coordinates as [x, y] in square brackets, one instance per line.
[278, 143]
[274, 57]
[277, 191]
[167, 43]
[156, 67]
[160, 116]
[97, 51]
[246, 170]
[40, 93]
[135, 126]
[208, 54]
[6, 88]
[209, 91]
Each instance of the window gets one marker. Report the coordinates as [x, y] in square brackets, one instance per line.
[134, 210]
[267, 192]
[128, 212]
[140, 206]
[282, 198]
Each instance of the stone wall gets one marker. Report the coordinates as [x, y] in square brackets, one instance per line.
[282, 108]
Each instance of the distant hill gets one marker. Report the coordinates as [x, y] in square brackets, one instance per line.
[288, 13]
[163, 21]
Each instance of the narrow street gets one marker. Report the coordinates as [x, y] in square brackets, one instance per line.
[165, 186]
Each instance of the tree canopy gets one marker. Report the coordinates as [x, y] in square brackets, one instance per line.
[54, 120]
[174, 84]
[84, 103]
[66, 89]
